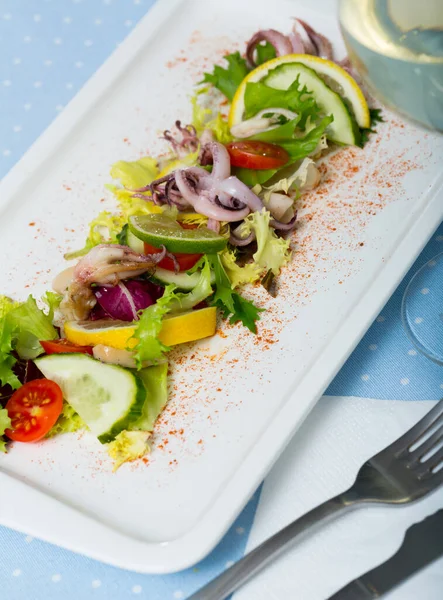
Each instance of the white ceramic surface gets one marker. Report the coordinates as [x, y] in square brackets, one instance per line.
[237, 399]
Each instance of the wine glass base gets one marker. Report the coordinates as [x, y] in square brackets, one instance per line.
[422, 309]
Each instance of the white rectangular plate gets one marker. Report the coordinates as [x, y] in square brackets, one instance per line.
[237, 399]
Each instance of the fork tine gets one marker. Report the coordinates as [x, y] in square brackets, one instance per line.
[423, 449]
[415, 433]
[424, 470]
[434, 460]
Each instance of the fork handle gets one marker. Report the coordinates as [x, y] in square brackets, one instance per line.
[231, 579]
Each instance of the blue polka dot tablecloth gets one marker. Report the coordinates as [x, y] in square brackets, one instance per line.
[49, 48]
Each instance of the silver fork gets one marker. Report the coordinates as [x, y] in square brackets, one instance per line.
[403, 472]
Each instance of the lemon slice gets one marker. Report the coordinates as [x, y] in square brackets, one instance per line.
[334, 76]
[109, 333]
[177, 329]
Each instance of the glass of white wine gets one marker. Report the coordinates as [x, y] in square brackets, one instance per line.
[396, 46]
[422, 309]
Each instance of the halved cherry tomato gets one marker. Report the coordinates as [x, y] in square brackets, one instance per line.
[257, 155]
[185, 261]
[63, 346]
[34, 409]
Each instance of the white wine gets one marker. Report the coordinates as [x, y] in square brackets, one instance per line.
[397, 48]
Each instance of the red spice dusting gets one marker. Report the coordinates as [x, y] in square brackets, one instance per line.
[357, 184]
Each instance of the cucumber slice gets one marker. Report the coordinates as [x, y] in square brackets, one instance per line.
[344, 129]
[182, 280]
[108, 398]
[134, 242]
[127, 238]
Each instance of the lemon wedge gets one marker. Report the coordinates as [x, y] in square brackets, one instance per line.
[333, 76]
[177, 329]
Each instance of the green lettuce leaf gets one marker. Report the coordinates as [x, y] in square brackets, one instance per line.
[259, 96]
[133, 444]
[22, 326]
[68, 422]
[155, 380]
[127, 446]
[104, 229]
[52, 301]
[149, 347]
[7, 360]
[278, 134]
[220, 129]
[298, 176]
[30, 325]
[5, 423]
[6, 305]
[304, 146]
[251, 177]
[376, 117]
[200, 114]
[272, 252]
[203, 118]
[228, 79]
[264, 52]
[202, 290]
[232, 304]
[7, 330]
[248, 273]
[135, 174]
[129, 205]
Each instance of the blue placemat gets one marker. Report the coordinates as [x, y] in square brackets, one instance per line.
[49, 49]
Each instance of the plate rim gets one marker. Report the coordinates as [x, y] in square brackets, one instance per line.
[32, 510]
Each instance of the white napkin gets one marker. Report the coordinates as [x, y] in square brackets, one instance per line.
[321, 461]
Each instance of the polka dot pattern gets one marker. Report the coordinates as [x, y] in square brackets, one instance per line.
[384, 365]
[43, 571]
[50, 48]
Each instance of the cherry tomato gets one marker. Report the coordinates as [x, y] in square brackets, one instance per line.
[63, 346]
[185, 261]
[257, 155]
[34, 409]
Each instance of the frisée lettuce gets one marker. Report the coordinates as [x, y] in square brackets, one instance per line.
[272, 251]
[5, 422]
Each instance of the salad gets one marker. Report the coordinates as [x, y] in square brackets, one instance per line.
[190, 230]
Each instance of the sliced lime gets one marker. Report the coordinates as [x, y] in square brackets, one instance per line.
[160, 230]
